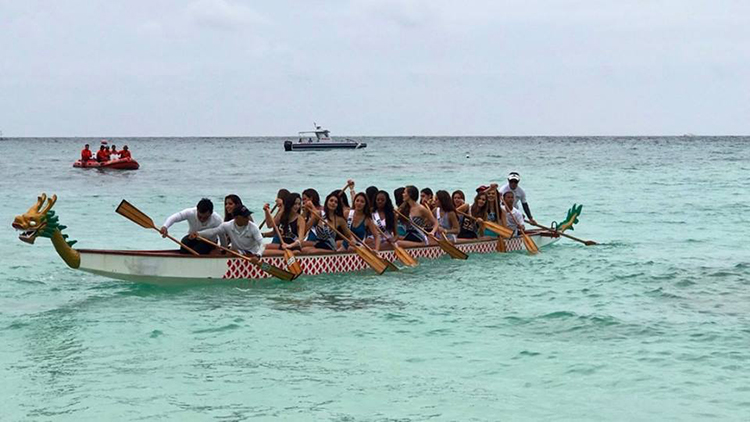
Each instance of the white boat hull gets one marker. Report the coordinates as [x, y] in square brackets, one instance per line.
[169, 267]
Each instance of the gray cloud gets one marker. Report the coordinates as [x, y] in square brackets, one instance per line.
[229, 67]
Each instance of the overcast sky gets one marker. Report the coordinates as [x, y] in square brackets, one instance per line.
[375, 67]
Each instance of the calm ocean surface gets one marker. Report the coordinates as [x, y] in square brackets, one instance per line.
[650, 325]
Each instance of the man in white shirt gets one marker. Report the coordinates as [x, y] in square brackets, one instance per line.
[518, 193]
[513, 216]
[200, 217]
[243, 234]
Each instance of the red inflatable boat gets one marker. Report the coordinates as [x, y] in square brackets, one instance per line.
[119, 164]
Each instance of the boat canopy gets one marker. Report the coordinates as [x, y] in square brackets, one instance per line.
[320, 134]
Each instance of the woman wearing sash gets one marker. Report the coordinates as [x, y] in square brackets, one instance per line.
[334, 217]
[446, 215]
[384, 217]
[417, 215]
[360, 221]
[312, 196]
[290, 224]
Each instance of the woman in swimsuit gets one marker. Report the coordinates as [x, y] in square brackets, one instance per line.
[384, 217]
[459, 202]
[312, 196]
[418, 215]
[471, 229]
[290, 223]
[360, 221]
[371, 192]
[326, 236]
[398, 197]
[493, 212]
[446, 215]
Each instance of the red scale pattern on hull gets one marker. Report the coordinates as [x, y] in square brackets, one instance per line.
[349, 262]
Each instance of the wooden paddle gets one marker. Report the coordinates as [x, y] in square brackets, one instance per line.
[444, 244]
[276, 205]
[585, 242]
[127, 210]
[266, 267]
[530, 245]
[405, 257]
[375, 262]
[494, 227]
[391, 265]
[291, 261]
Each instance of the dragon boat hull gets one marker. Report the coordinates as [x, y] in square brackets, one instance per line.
[119, 164]
[166, 267]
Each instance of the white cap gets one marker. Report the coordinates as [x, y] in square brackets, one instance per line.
[514, 176]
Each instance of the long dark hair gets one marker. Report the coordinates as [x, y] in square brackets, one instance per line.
[413, 193]
[289, 201]
[390, 216]
[237, 203]
[367, 210]
[339, 211]
[342, 198]
[480, 212]
[445, 200]
[460, 194]
[371, 191]
[314, 197]
[282, 194]
[398, 196]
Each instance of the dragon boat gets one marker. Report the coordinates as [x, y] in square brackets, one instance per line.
[166, 267]
[118, 164]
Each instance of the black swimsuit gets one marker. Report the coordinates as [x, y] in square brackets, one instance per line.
[469, 229]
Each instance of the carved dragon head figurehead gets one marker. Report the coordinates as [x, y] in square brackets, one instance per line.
[38, 220]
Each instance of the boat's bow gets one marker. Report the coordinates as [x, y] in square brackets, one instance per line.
[40, 220]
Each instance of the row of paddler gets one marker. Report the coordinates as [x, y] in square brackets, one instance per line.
[302, 225]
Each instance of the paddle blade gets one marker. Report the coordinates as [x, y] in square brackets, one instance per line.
[277, 272]
[405, 257]
[291, 262]
[390, 265]
[377, 264]
[530, 245]
[127, 210]
[498, 229]
[451, 250]
[500, 246]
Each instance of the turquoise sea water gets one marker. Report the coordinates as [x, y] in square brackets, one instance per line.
[650, 325]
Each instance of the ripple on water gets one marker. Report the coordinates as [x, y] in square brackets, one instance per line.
[664, 309]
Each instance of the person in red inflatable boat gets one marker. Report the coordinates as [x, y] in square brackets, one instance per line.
[86, 153]
[124, 152]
